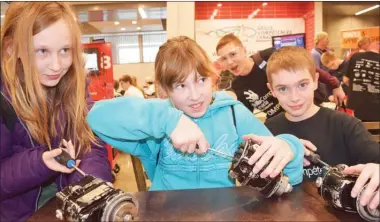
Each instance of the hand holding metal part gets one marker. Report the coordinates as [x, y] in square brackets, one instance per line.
[92, 199]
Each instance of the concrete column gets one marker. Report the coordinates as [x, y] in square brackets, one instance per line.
[180, 19]
[318, 17]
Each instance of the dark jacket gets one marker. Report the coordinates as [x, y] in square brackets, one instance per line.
[23, 171]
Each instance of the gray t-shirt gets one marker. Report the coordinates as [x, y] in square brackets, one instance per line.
[316, 54]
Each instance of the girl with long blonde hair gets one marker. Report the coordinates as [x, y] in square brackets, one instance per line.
[43, 84]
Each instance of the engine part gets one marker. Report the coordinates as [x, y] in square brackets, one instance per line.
[242, 172]
[335, 188]
[92, 199]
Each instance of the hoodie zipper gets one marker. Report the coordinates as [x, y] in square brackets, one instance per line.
[38, 197]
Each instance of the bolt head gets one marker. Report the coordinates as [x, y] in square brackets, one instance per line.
[319, 182]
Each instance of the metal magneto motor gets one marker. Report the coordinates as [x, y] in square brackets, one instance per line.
[92, 199]
[335, 188]
[242, 172]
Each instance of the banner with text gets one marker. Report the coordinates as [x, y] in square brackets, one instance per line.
[255, 34]
[349, 38]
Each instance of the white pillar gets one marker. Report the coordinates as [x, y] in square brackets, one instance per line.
[180, 19]
[318, 17]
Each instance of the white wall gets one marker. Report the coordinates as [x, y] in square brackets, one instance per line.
[140, 70]
[318, 17]
[334, 24]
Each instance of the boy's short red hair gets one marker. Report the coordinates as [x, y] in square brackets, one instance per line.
[227, 39]
[290, 58]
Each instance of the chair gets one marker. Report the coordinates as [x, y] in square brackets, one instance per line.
[139, 174]
[374, 129]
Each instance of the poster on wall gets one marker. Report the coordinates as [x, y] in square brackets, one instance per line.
[255, 34]
[349, 38]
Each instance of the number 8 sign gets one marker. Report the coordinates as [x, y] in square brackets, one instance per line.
[105, 61]
[101, 84]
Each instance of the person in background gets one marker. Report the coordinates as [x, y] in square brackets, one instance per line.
[363, 79]
[338, 67]
[116, 86]
[337, 137]
[250, 82]
[321, 41]
[364, 45]
[43, 96]
[134, 83]
[224, 121]
[130, 90]
[149, 88]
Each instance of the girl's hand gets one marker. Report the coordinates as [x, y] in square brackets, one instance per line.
[49, 158]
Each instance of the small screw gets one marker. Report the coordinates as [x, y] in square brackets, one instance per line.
[319, 182]
[127, 217]
[59, 214]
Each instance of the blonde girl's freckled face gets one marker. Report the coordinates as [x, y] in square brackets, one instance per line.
[53, 53]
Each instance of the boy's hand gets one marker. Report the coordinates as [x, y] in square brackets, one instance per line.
[339, 95]
[188, 137]
[307, 147]
[269, 147]
[369, 171]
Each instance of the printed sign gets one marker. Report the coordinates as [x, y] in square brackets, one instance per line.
[349, 38]
[255, 34]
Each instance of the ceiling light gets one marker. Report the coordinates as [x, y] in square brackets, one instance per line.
[255, 12]
[219, 5]
[2, 16]
[264, 4]
[134, 22]
[138, 28]
[215, 12]
[116, 23]
[367, 10]
[122, 29]
[142, 13]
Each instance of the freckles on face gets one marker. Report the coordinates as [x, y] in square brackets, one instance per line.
[53, 52]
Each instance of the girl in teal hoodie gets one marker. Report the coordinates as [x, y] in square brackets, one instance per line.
[145, 128]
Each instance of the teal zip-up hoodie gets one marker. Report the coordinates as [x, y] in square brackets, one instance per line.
[142, 128]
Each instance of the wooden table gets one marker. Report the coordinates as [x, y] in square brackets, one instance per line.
[227, 204]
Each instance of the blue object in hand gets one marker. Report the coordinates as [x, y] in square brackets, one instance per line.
[65, 159]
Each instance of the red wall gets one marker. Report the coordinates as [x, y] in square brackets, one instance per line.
[241, 10]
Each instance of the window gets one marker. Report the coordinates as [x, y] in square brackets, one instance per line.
[125, 49]
[128, 48]
[151, 44]
[128, 53]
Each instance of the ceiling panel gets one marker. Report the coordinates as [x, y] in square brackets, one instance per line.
[348, 8]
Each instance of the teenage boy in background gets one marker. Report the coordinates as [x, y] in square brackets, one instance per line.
[250, 82]
[340, 138]
[338, 67]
